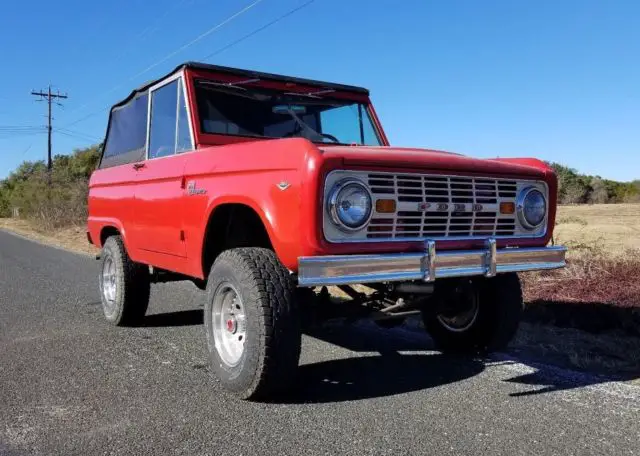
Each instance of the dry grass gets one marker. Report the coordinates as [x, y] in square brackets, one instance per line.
[72, 238]
[599, 289]
[592, 276]
[614, 227]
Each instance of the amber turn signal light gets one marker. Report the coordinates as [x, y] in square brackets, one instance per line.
[507, 208]
[385, 206]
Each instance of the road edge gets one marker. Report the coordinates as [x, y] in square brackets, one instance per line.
[47, 243]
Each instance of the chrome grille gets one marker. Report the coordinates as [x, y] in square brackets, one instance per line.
[441, 206]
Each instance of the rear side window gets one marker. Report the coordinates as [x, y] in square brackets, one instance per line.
[169, 127]
[127, 133]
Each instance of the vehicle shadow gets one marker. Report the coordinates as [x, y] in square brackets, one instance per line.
[577, 344]
[592, 317]
[174, 319]
[388, 373]
[549, 379]
[539, 370]
[396, 361]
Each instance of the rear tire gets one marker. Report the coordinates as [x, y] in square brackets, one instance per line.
[252, 323]
[124, 285]
[499, 306]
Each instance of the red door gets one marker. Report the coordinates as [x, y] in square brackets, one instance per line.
[157, 207]
[160, 190]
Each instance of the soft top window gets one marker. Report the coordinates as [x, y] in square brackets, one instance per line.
[126, 137]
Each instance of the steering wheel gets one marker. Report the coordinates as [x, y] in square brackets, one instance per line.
[324, 135]
[330, 137]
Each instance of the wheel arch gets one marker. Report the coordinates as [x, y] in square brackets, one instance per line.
[108, 231]
[101, 229]
[231, 224]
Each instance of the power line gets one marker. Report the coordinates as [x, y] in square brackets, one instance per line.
[200, 37]
[168, 56]
[258, 30]
[77, 135]
[76, 132]
[146, 32]
[84, 140]
[25, 151]
[149, 30]
[15, 135]
[20, 127]
[50, 97]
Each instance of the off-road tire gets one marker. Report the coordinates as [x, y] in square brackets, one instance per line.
[271, 351]
[132, 285]
[500, 310]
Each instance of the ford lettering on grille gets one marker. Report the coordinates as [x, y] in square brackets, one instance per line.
[439, 206]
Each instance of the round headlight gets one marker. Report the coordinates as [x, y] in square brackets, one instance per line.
[350, 205]
[532, 208]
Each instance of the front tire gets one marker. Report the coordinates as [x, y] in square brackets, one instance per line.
[476, 316]
[124, 285]
[252, 323]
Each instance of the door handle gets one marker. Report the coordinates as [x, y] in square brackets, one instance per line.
[137, 166]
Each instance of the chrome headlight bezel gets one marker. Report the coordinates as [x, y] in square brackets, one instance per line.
[521, 208]
[333, 204]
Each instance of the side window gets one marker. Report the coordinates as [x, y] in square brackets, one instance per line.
[344, 123]
[370, 135]
[127, 135]
[162, 133]
[183, 140]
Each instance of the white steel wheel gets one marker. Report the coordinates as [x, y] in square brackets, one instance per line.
[124, 285]
[109, 285]
[252, 323]
[464, 318]
[229, 324]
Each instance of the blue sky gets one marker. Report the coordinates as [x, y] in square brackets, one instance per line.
[557, 80]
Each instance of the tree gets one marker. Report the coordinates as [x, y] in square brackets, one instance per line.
[599, 193]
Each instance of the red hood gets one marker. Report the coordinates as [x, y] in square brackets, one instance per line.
[399, 157]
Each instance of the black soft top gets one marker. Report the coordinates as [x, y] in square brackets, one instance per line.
[245, 73]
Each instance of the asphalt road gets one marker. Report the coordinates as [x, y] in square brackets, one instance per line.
[72, 384]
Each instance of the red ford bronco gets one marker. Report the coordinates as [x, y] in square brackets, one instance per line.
[267, 189]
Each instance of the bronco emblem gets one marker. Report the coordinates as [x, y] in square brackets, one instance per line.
[192, 190]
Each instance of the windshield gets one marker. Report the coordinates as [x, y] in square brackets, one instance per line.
[248, 111]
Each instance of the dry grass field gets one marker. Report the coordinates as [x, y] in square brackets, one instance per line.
[613, 227]
[604, 257]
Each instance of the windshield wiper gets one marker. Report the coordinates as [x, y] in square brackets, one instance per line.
[234, 85]
[311, 94]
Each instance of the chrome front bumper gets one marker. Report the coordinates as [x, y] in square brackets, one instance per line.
[427, 266]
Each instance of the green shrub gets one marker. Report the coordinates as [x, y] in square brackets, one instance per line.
[60, 204]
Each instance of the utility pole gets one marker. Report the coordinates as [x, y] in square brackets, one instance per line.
[49, 97]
